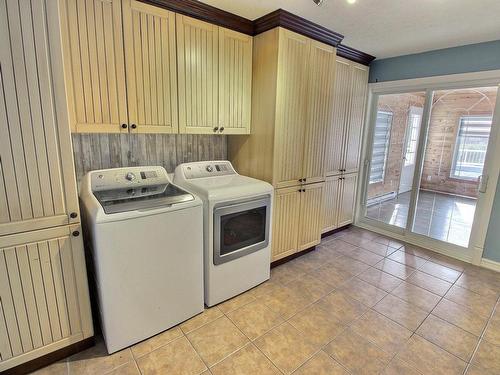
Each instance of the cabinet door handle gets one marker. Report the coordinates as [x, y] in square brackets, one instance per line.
[124, 126]
[304, 179]
[75, 233]
[300, 180]
[216, 128]
[221, 129]
[73, 215]
[133, 126]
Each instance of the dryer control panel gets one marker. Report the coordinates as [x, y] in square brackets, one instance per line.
[207, 169]
[125, 177]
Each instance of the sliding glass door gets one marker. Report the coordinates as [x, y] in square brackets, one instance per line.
[393, 155]
[455, 152]
[425, 161]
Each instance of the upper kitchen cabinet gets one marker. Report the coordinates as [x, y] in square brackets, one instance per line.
[94, 65]
[151, 68]
[235, 81]
[197, 47]
[215, 74]
[344, 133]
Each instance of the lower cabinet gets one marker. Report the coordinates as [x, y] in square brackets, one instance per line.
[44, 302]
[339, 201]
[297, 219]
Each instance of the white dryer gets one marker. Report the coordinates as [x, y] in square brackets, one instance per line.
[237, 226]
[147, 245]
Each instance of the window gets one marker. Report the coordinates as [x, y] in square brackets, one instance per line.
[380, 146]
[470, 148]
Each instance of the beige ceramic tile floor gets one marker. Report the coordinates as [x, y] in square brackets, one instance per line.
[358, 304]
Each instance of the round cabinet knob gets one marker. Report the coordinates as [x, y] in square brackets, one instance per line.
[216, 128]
[130, 176]
[221, 129]
[75, 233]
[124, 126]
[133, 126]
[209, 168]
[73, 215]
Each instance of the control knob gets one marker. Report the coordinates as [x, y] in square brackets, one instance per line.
[130, 176]
[209, 168]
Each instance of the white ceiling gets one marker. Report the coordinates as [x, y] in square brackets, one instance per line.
[386, 28]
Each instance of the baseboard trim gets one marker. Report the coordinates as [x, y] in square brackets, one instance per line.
[291, 256]
[50, 358]
[336, 230]
[490, 264]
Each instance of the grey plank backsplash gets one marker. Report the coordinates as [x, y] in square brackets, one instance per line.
[98, 151]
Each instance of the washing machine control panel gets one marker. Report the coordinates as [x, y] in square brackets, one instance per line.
[132, 176]
[207, 169]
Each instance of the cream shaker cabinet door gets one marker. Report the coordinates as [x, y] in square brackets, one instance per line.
[347, 199]
[336, 129]
[94, 65]
[43, 289]
[285, 222]
[151, 67]
[311, 215]
[37, 186]
[319, 110]
[331, 203]
[197, 65]
[235, 82]
[291, 108]
[359, 87]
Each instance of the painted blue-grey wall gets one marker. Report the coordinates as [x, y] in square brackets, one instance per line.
[464, 59]
[492, 245]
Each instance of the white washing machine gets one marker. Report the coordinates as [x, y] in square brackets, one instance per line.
[147, 245]
[237, 230]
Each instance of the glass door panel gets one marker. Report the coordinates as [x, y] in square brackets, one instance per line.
[457, 141]
[393, 157]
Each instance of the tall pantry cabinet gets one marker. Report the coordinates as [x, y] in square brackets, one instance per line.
[292, 99]
[343, 143]
[44, 301]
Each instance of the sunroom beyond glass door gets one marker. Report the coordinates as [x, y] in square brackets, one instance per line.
[455, 152]
[392, 164]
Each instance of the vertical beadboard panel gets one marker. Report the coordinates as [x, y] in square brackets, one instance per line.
[291, 108]
[235, 81]
[359, 82]
[319, 109]
[310, 216]
[330, 203]
[98, 151]
[335, 138]
[347, 200]
[285, 222]
[150, 53]
[37, 295]
[197, 56]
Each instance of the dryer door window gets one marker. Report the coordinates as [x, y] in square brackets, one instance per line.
[240, 229]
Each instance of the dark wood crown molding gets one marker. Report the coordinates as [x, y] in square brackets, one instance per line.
[297, 24]
[280, 17]
[205, 12]
[354, 54]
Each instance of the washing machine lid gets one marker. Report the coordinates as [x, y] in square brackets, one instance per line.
[141, 198]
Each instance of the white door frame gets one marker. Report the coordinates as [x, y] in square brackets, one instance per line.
[407, 139]
[491, 168]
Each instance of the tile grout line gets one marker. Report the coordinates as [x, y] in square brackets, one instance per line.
[481, 337]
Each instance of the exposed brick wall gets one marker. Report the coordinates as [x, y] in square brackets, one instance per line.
[399, 105]
[447, 109]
